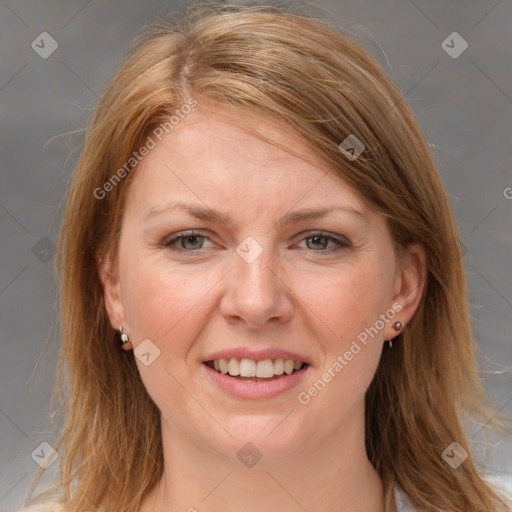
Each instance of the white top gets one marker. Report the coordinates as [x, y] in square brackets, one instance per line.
[402, 504]
[43, 507]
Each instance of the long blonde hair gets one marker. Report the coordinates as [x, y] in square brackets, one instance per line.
[306, 73]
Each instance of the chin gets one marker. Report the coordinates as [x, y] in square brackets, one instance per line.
[266, 437]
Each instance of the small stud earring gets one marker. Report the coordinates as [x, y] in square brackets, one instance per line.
[398, 326]
[123, 338]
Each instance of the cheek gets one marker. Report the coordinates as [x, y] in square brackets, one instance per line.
[166, 303]
[349, 303]
[351, 308]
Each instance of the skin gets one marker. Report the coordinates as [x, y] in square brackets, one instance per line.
[300, 294]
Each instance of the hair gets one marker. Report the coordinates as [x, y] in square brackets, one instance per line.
[306, 73]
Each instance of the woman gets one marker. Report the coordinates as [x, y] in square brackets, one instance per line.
[263, 297]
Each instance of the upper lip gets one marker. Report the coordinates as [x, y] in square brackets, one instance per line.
[256, 355]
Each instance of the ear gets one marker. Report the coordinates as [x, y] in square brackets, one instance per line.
[112, 294]
[408, 286]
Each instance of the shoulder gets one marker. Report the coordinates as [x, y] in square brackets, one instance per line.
[402, 502]
[48, 506]
[501, 483]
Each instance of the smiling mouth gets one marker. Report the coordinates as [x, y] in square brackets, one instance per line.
[251, 370]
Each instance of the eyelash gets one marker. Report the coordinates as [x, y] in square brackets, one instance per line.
[341, 244]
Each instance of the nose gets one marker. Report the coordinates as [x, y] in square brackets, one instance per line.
[256, 293]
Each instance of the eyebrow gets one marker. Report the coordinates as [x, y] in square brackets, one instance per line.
[207, 213]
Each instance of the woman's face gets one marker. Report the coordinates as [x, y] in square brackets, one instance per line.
[268, 274]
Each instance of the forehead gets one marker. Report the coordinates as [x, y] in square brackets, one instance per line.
[216, 159]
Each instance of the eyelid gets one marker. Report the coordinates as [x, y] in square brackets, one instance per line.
[183, 234]
[341, 241]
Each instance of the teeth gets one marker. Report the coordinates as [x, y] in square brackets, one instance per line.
[265, 369]
[223, 366]
[233, 367]
[262, 369]
[247, 368]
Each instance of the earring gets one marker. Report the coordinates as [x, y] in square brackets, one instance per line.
[398, 326]
[123, 338]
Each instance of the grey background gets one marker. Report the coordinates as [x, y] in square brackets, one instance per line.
[463, 104]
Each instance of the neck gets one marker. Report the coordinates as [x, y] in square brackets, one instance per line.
[331, 475]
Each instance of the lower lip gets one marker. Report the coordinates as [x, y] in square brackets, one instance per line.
[256, 389]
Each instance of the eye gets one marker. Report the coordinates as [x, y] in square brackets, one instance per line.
[319, 241]
[188, 242]
[192, 241]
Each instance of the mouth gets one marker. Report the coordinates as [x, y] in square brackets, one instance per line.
[255, 379]
[256, 371]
